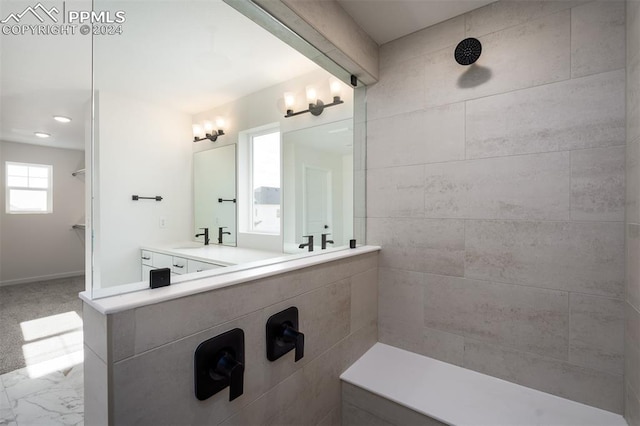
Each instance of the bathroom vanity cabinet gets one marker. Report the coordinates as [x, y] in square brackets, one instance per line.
[178, 264]
[188, 257]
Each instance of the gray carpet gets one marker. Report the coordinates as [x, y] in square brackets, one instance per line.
[24, 302]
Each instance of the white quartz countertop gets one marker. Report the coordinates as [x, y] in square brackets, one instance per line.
[215, 253]
[211, 280]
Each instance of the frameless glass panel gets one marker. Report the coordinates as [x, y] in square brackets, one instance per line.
[217, 86]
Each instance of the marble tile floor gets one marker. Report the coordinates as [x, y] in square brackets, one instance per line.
[53, 399]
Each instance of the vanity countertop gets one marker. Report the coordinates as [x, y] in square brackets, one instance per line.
[215, 253]
[141, 295]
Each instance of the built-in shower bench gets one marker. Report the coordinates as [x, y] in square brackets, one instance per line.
[391, 386]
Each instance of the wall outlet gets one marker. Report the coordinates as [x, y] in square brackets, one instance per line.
[162, 222]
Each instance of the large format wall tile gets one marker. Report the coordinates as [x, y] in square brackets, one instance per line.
[324, 317]
[401, 295]
[447, 347]
[364, 299]
[631, 407]
[633, 98]
[583, 113]
[596, 336]
[400, 89]
[632, 346]
[528, 55]
[530, 319]
[420, 43]
[632, 165]
[161, 380]
[504, 14]
[399, 192]
[597, 184]
[365, 408]
[597, 35]
[425, 245]
[633, 265]
[425, 136]
[585, 257]
[591, 387]
[517, 187]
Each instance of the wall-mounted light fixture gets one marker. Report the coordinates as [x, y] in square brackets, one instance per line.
[316, 106]
[201, 133]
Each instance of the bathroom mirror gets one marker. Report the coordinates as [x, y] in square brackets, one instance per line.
[214, 195]
[318, 185]
[182, 65]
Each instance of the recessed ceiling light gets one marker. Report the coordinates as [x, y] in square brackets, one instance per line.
[42, 135]
[61, 118]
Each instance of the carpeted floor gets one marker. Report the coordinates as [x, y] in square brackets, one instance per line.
[25, 302]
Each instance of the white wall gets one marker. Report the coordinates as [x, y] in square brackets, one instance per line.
[43, 246]
[143, 149]
[267, 107]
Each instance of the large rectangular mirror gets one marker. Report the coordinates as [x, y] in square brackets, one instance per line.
[188, 112]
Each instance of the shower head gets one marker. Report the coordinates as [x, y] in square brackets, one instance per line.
[468, 51]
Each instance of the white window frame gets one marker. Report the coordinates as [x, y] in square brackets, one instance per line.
[48, 190]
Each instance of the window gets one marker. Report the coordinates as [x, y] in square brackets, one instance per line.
[265, 182]
[29, 188]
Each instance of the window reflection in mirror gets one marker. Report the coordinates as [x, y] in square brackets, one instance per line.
[175, 95]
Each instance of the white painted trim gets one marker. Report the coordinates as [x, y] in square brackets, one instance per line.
[42, 278]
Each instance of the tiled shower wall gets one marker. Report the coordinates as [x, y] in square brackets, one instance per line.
[632, 306]
[497, 194]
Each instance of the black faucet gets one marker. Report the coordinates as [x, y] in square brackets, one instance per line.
[220, 233]
[309, 243]
[206, 235]
[325, 241]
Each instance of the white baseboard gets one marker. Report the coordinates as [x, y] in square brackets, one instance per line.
[42, 278]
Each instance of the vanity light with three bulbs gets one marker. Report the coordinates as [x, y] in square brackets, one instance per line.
[316, 106]
[207, 131]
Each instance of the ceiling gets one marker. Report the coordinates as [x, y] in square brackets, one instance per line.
[188, 55]
[387, 20]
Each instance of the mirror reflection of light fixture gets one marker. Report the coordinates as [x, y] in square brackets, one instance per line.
[201, 133]
[316, 106]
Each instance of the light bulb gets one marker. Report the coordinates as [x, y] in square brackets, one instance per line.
[197, 131]
[289, 100]
[312, 95]
[220, 123]
[336, 86]
[208, 127]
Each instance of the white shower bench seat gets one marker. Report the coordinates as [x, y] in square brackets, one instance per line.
[391, 386]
